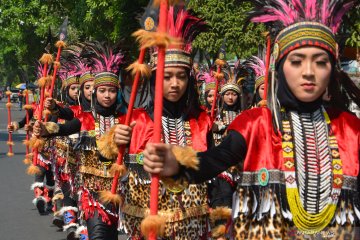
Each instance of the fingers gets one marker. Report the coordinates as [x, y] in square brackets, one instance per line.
[37, 129]
[132, 124]
[154, 157]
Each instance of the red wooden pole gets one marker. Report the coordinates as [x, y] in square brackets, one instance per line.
[10, 142]
[127, 119]
[162, 28]
[39, 116]
[56, 67]
[266, 81]
[27, 120]
[215, 95]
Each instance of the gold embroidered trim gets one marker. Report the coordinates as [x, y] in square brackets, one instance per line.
[95, 172]
[171, 216]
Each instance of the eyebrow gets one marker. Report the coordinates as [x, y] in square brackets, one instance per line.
[304, 56]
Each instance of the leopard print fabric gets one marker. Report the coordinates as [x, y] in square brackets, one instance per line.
[186, 212]
[277, 227]
[94, 175]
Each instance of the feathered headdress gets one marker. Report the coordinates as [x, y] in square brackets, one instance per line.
[68, 72]
[185, 27]
[304, 22]
[258, 67]
[73, 54]
[105, 62]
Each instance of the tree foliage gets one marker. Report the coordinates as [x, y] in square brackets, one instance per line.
[24, 28]
[226, 20]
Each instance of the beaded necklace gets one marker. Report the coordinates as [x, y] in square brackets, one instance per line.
[310, 223]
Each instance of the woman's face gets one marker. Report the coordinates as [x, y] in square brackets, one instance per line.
[106, 95]
[230, 97]
[175, 83]
[74, 91]
[88, 88]
[210, 97]
[261, 90]
[307, 71]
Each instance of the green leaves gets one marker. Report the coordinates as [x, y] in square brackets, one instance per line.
[226, 20]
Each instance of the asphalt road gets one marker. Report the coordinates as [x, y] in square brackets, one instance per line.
[19, 219]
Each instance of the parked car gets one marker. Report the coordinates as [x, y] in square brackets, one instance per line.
[14, 97]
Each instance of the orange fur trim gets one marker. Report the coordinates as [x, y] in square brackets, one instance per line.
[109, 197]
[151, 39]
[153, 224]
[27, 161]
[57, 64]
[8, 93]
[219, 76]
[35, 142]
[27, 107]
[41, 82]
[8, 105]
[61, 44]
[29, 156]
[33, 170]
[107, 146]
[171, 2]
[52, 127]
[10, 154]
[16, 125]
[186, 156]
[46, 58]
[262, 103]
[26, 142]
[10, 143]
[121, 169]
[220, 62]
[220, 213]
[25, 91]
[218, 232]
[46, 112]
[136, 67]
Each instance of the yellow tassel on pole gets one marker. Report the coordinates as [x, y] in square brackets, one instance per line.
[121, 169]
[109, 197]
[33, 170]
[149, 39]
[61, 44]
[220, 62]
[153, 224]
[136, 67]
[46, 58]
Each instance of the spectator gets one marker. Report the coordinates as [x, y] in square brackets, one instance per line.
[21, 97]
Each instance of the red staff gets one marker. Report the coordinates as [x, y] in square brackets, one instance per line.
[153, 220]
[60, 45]
[218, 76]
[36, 142]
[27, 107]
[10, 142]
[267, 62]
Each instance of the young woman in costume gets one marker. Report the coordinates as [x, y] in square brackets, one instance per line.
[95, 150]
[300, 161]
[184, 123]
